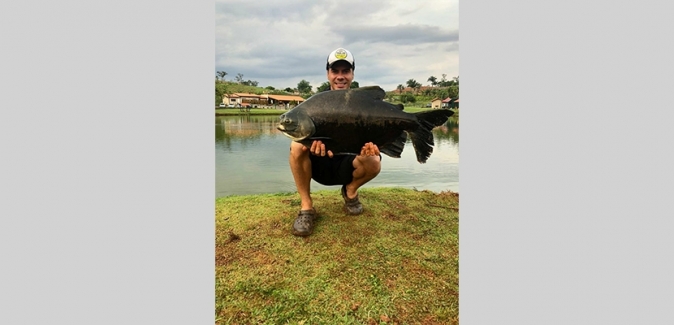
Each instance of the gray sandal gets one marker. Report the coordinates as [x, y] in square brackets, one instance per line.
[304, 223]
[352, 206]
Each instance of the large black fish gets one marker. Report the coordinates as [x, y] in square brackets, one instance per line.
[344, 120]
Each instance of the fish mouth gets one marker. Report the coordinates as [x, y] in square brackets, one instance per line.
[290, 132]
[283, 128]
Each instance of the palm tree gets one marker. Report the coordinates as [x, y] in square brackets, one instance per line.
[222, 75]
[433, 80]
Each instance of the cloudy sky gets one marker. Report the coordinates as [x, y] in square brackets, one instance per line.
[279, 43]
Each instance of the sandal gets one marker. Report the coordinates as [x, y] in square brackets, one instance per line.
[304, 223]
[352, 206]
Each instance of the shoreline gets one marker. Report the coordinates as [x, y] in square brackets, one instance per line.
[254, 111]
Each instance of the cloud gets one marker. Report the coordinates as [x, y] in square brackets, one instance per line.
[280, 43]
[407, 34]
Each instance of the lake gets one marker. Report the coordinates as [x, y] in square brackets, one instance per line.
[251, 157]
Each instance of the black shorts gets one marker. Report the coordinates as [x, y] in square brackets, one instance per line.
[332, 171]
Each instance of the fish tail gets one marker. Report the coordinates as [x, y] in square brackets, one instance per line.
[422, 137]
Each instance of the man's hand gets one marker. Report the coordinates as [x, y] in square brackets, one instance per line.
[318, 149]
[369, 149]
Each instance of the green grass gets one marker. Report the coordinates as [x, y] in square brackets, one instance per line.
[412, 109]
[395, 263]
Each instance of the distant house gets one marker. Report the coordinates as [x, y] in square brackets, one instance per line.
[436, 103]
[246, 99]
[450, 103]
[238, 99]
[285, 100]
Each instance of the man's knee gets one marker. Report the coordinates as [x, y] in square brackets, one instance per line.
[297, 151]
[374, 167]
[370, 166]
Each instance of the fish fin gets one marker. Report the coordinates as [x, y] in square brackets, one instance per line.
[422, 137]
[395, 148]
[374, 91]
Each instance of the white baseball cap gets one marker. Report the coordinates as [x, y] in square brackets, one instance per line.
[340, 54]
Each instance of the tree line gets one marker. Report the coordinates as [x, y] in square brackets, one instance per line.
[442, 88]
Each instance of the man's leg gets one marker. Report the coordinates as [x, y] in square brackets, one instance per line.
[366, 167]
[300, 165]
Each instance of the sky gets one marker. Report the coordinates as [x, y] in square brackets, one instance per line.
[280, 43]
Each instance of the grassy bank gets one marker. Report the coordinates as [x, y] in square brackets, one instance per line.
[253, 111]
[395, 263]
[261, 111]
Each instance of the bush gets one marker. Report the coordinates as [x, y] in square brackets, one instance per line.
[408, 98]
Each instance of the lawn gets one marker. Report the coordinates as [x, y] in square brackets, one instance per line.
[397, 263]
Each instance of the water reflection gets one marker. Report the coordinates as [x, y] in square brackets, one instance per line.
[252, 157]
[243, 128]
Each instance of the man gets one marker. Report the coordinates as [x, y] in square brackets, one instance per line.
[349, 171]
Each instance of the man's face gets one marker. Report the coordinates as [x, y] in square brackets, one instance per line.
[340, 75]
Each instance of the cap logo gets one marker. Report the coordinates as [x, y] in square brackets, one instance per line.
[340, 54]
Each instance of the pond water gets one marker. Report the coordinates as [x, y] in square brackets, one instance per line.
[251, 157]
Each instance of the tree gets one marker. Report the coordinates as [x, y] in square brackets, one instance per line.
[323, 87]
[288, 90]
[416, 88]
[220, 91]
[354, 84]
[413, 84]
[443, 81]
[407, 98]
[433, 80]
[221, 74]
[270, 88]
[400, 88]
[453, 91]
[250, 83]
[444, 93]
[239, 78]
[304, 87]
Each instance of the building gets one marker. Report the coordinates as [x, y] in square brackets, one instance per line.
[247, 99]
[285, 100]
[436, 103]
[239, 99]
[450, 103]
